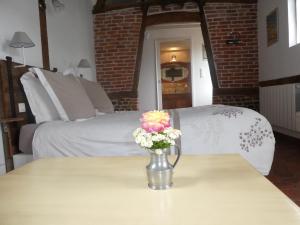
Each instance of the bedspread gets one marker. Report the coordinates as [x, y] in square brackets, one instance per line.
[206, 130]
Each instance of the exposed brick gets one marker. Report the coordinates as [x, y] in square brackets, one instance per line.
[116, 43]
[125, 104]
[236, 65]
[251, 102]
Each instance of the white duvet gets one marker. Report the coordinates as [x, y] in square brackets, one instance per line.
[206, 130]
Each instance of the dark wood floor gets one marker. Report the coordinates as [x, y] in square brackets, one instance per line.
[285, 172]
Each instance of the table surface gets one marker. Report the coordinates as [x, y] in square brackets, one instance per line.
[208, 190]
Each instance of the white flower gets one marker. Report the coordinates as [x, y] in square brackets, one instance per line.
[158, 137]
[172, 133]
[138, 139]
[137, 132]
[146, 143]
[146, 140]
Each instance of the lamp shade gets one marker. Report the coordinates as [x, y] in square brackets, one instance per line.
[21, 40]
[84, 63]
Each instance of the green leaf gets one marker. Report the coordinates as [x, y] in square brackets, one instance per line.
[160, 145]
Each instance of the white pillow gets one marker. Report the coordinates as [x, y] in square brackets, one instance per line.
[39, 101]
[67, 94]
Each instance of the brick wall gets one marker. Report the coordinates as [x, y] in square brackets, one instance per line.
[247, 101]
[116, 44]
[125, 103]
[236, 65]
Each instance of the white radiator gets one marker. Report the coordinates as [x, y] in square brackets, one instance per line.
[281, 106]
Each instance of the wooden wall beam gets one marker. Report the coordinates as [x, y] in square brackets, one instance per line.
[12, 101]
[44, 34]
[280, 81]
[138, 61]
[4, 98]
[208, 48]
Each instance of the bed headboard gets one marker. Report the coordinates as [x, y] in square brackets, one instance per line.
[11, 94]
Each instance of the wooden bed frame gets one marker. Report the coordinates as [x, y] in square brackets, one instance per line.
[11, 95]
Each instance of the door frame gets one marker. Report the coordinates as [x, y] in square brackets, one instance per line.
[159, 105]
[158, 75]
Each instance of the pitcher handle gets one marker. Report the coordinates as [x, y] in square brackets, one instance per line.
[178, 155]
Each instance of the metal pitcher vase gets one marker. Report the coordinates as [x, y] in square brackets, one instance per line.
[160, 170]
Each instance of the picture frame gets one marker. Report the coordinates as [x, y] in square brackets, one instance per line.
[272, 27]
[175, 72]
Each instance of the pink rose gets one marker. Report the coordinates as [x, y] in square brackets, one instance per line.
[155, 121]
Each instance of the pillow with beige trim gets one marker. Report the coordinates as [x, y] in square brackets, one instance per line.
[97, 96]
[67, 94]
[39, 100]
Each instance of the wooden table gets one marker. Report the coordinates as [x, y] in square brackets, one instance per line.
[208, 190]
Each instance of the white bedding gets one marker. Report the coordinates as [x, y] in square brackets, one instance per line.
[223, 129]
[105, 135]
[206, 130]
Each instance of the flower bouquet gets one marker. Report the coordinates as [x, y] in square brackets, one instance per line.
[156, 135]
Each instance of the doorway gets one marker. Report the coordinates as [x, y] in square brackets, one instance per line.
[150, 81]
[174, 74]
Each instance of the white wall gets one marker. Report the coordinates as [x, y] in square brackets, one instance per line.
[70, 34]
[201, 86]
[279, 60]
[16, 15]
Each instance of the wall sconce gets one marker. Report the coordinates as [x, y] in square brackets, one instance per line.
[173, 58]
[234, 38]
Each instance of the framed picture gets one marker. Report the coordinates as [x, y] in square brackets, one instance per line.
[272, 27]
[175, 72]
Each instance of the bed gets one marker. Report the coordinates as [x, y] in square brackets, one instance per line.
[210, 129]
[206, 130]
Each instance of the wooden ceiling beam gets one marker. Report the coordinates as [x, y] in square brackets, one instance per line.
[101, 6]
[232, 1]
[172, 17]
